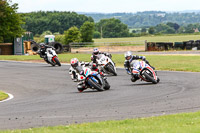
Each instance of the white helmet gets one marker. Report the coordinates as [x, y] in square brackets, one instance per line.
[128, 55]
[95, 51]
[74, 62]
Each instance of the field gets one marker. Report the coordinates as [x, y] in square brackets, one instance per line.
[163, 38]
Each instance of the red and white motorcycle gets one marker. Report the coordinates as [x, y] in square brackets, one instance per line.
[145, 72]
[51, 56]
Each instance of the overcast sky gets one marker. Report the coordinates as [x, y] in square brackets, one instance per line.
[107, 6]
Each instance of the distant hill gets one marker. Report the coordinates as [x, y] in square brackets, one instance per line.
[150, 18]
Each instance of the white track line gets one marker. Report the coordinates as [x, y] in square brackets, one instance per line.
[9, 98]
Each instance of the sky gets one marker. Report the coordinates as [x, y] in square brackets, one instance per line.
[106, 6]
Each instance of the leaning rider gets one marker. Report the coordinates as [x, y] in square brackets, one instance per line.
[77, 68]
[43, 51]
[128, 59]
[94, 56]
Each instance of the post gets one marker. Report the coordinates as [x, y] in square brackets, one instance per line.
[145, 43]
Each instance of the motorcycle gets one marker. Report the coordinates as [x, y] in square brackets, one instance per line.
[145, 72]
[93, 80]
[51, 57]
[106, 65]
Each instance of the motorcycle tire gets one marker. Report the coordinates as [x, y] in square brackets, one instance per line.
[97, 86]
[150, 78]
[111, 69]
[107, 85]
[158, 80]
[57, 61]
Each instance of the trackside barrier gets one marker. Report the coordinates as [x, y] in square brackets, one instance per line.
[161, 46]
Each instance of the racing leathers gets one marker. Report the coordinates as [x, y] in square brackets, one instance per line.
[43, 52]
[127, 65]
[74, 75]
[94, 59]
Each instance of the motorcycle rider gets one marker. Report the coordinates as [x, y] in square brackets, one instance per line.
[128, 59]
[94, 56]
[76, 67]
[42, 51]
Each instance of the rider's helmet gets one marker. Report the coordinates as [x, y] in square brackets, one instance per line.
[95, 51]
[74, 62]
[42, 45]
[128, 55]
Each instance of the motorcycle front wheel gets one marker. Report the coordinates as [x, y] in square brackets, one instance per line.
[150, 78]
[111, 69]
[97, 86]
[107, 85]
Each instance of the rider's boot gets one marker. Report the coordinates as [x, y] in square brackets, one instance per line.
[81, 86]
[134, 77]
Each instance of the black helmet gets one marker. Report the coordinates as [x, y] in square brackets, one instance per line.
[42, 45]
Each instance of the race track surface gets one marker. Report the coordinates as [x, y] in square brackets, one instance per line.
[46, 96]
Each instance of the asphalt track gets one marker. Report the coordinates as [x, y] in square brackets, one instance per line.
[46, 96]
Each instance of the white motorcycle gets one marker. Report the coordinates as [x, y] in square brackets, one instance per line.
[51, 57]
[106, 65]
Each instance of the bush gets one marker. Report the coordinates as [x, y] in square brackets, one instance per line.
[97, 34]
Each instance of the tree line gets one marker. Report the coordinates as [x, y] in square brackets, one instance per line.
[81, 28]
[149, 18]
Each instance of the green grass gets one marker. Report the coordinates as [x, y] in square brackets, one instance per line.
[177, 123]
[161, 62]
[3, 95]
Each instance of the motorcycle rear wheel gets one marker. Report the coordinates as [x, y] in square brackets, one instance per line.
[57, 61]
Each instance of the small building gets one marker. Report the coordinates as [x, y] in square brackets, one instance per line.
[6, 49]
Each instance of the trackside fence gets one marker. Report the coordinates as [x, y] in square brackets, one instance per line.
[115, 47]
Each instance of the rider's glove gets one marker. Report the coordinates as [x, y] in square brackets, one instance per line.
[128, 72]
[143, 58]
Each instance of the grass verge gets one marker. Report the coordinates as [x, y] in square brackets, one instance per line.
[177, 123]
[3, 96]
[161, 62]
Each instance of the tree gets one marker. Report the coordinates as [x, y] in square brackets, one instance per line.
[72, 35]
[10, 21]
[54, 21]
[144, 30]
[151, 30]
[112, 28]
[175, 26]
[87, 31]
